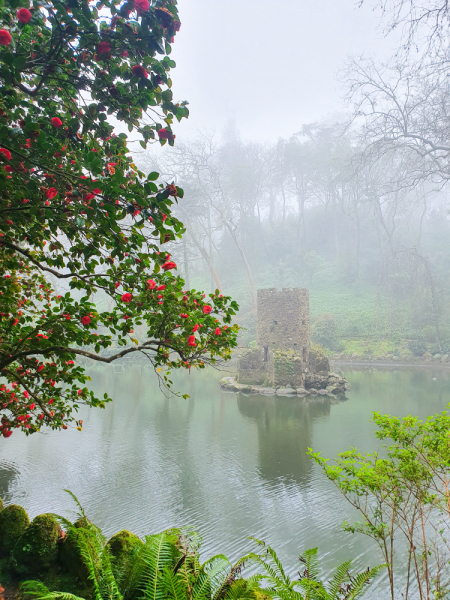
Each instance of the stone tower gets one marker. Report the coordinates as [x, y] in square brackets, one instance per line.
[283, 321]
[283, 340]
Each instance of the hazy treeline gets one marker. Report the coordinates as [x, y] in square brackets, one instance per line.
[310, 211]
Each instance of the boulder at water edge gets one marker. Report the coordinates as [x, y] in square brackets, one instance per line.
[13, 522]
[36, 550]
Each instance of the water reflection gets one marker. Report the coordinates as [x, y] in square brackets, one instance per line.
[284, 434]
[232, 466]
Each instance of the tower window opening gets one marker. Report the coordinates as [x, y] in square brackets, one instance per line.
[266, 353]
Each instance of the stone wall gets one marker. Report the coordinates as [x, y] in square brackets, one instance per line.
[283, 338]
[283, 321]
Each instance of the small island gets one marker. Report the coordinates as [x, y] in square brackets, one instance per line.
[284, 363]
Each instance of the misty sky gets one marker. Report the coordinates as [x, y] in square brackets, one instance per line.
[269, 65]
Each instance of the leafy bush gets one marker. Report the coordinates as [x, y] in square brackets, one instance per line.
[324, 332]
[429, 334]
[417, 348]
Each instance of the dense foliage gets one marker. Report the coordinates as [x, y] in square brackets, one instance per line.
[168, 566]
[80, 222]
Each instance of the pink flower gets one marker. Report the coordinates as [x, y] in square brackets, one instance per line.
[169, 265]
[184, 316]
[141, 5]
[32, 406]
[104, 48]
[51, 193]
[79, 392]
[191, 340]
[163, 134]
[124, 53]
[139, 71]
[207, 309]
[117, 284]
[151, 284]
[195, 328]
[161, 287]
[56, 122]
[218, 331]
[24, 15]
[6, 153]
[127, 298]
[26, 394]
[86, 320]
[5, 40]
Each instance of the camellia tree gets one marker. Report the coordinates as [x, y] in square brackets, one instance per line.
[79, 217]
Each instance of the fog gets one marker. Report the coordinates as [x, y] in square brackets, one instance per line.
[269, 66]
[316, 155]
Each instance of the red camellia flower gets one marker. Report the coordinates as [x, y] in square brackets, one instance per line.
[163, 134]
[184, 316]
[207, 309]
[24, 15]
[127, 298]
[5, 40]
[191, 340]
[169, 265]
[218, 331]
[9, 169]
[195, 328]
[117, 284]
[51, 193]
[104, 48]
[6, 153]
[139, 71]
[86, 320]
[161, 287]
[151, 284]
[124, 53]
[56, 122]
[141, 5]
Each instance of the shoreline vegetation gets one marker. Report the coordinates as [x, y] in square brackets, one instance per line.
[51, 553]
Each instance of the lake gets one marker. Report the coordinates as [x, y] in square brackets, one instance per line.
[230, 465]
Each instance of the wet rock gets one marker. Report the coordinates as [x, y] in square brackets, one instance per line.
[301, 392]
[322, 392]
[269, 391]
[312, 392]
[285, 392]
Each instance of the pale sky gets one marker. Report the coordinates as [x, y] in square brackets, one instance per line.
[268, 65]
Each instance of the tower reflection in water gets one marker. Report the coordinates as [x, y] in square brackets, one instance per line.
[284, 433]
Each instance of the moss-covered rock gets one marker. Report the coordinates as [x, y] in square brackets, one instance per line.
[36, 551]
[318, 361]
[122, 545]
[1, 505]
[13, 522]
[69, 553]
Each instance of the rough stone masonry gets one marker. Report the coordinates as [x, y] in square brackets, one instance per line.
[283, 358]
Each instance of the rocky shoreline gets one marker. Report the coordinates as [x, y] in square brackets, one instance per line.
[331, 385]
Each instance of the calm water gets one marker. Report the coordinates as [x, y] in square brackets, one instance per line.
[231, 465]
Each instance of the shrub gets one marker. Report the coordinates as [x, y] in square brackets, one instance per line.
[37, 548]
[324, 332]
[318, 360]
[417, 348]
[13, 522]
[429, 334]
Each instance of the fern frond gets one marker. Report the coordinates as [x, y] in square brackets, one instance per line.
[159, 552]
[174, 584]
[339, 578]
[38, 591]
[360, 581]
[212, 575]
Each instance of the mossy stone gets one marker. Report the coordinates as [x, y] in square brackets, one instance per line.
[36, 551]
[13, 522]
[69, 553]
[1, 505]
[121, 546]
